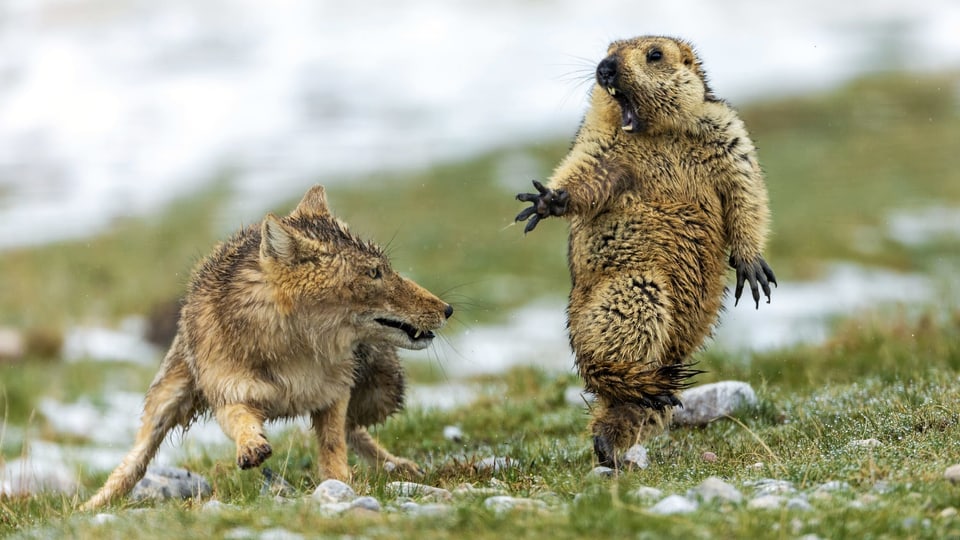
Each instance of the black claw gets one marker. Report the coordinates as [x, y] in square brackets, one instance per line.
[545, 203]
[757, 273]
[526, 213]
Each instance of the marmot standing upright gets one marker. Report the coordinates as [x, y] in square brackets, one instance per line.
[662, 180]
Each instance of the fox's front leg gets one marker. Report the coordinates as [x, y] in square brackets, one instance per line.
[330, 428]
[244, 425]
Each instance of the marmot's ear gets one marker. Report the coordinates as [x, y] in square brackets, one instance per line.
[690, 59]
[314, 203]
[277, 242]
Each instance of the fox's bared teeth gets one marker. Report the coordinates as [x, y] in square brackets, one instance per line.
[417, 334]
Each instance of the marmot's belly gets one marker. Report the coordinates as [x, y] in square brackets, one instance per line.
[680, 252]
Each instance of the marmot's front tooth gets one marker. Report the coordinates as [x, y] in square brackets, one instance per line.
[628, 127]
[612, 90]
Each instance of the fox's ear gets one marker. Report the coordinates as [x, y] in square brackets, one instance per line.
[314, 203]
[277, 241]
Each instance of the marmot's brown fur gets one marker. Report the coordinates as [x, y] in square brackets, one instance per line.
[292, 316]
[661, 181]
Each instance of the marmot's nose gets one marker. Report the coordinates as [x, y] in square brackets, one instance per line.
[607, 71]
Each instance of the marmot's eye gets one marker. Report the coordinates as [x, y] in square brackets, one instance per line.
[654, 55]
[375, 273]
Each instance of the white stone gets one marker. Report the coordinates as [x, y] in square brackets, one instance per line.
[715, 488]
[602, 472]
[952, 473]
[101, 519]
[333, 491]
[799, 503]
[453, 433]
[413, 489]
[496, 464]
[766, 502]
[647, 493]
[706, 403]
[770, 486]
[834, 485]
[636, 457]
[161, 482]
[504, 503]
[865, 443]
[674, 504]
[367, 503]
[279, 533]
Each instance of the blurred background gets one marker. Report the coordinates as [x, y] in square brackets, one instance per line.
[134, 134]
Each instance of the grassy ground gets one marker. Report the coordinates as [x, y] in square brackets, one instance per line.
[837, 165]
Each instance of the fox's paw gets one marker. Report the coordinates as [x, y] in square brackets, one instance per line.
[253, 451]
[403, 467]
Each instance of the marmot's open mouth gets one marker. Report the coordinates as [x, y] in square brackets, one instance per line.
[629, 121]
[414, 333]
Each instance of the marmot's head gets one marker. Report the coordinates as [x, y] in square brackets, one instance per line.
[654, 81]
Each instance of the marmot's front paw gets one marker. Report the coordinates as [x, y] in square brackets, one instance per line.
[546, 203]
[754, 271]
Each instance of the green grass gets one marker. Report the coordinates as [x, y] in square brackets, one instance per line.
[837, 164]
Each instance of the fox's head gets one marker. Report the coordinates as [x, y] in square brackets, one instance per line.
[317, 266]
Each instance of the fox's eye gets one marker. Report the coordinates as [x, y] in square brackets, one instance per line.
[654, 55]
[375, 273]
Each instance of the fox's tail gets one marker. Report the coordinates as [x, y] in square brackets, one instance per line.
[170, 401]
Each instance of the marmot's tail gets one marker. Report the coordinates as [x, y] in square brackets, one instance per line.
[635, 382]
[170, 401]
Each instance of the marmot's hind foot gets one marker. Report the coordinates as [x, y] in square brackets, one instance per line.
[605, 452]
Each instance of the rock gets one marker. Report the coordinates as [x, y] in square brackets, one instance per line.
[101, 519]
[170, 483]
[833, 485]
[882, 487]
[366, 503]
[769, 486]
[636, 457]
[952, 473]
[799, 504]
[709, 457]
[275, 485]
[12, 344]
[646, 493]
[333, 491]
[213, 505]
[279, 533]
[865, 443]
[335, 508]
[674, 504]
[413, 489]
[453, 433]
[706, 403]
[578, 397]
[469, 490]
[766, 502]
[602, 472]
[240, 533]
[714, 488]
[433, 509]
[496, 464]
[504, 503]
[948, 512]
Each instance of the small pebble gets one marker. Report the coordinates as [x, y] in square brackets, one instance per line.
[709, 457]
[504, 503]
[279, 533]
[413, 489]
[948, 512]
[636, 457]
[766, 502]
[602, 472]
[274, 484]
[646, 493]
[715, 488]
[469, 490]
[674, 504]
[496, 464]
[769, 486]
[453, 433]
[865, 443]
[333, 491]
[432, 509]
[367, 503]
[799, 504]
[161, 482]
[101, 519]
[834, 485]
[952, 473]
